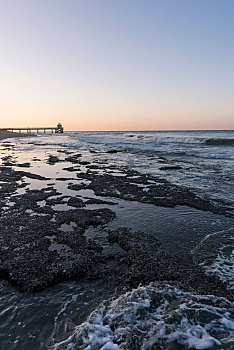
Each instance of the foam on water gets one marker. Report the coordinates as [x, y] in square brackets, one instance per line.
[223, 267]
[215, 255]
[155, 317]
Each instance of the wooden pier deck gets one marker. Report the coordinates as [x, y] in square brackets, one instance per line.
[57, 129]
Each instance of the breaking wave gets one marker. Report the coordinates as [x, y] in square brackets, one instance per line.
[220, 142]
[166, 139]
[158, 316]
[162, 139]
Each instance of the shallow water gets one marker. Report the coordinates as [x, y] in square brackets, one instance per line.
[179, 229]
[37, 320]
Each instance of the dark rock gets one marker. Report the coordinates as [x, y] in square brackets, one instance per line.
[74, 158]
[146, 262]
[24, 165]
[53, 159]
[84, 217]
[30, 175]
[84, 162]
[161, 193]
[36, 254]
[64, 151]
[71, 169]
[113, 151]
[76, 202]
[94, 166]
[75, 187]
[99, 201]
[176, 167]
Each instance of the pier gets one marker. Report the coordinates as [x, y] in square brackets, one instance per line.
[57, 130]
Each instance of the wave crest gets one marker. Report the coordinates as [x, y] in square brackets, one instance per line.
[156, 317]
[219, 142]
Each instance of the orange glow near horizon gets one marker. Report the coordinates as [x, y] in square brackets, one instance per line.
[114, 122]
[111, 65]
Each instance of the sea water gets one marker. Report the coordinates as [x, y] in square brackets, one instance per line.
[206, 158]
[200, 160]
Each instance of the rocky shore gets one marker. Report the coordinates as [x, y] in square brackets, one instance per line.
[37, 253]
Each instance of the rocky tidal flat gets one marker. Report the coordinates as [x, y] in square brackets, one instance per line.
[62, 219]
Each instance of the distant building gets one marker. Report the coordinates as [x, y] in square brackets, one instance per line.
[59, 129]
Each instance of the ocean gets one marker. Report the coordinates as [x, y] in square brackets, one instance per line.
[206, 158]
[98, 313]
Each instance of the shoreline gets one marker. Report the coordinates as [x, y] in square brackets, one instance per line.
[73, 226]
[4, 134]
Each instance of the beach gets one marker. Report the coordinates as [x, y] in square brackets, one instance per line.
[104, 241]
[4, 134]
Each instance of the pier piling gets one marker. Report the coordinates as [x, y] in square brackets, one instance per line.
[57, 130]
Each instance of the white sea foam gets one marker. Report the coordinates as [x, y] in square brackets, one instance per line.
[222, 267]
[215, 255]
[155, 317]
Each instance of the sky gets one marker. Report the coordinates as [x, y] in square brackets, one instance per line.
[117, 64]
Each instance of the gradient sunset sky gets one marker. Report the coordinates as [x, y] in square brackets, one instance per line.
[117, 64]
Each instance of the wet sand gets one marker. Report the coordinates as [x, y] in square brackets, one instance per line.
[8, 134]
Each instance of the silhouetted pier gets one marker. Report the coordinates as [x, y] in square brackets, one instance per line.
[57, 130]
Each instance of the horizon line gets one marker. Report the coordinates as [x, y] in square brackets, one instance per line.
[154, 130]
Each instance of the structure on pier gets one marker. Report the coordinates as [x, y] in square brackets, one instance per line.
[58, 129]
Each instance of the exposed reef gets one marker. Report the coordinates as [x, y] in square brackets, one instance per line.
[36, 251]
[147, 189]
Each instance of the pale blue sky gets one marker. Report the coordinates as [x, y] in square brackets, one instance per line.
[163, 64]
